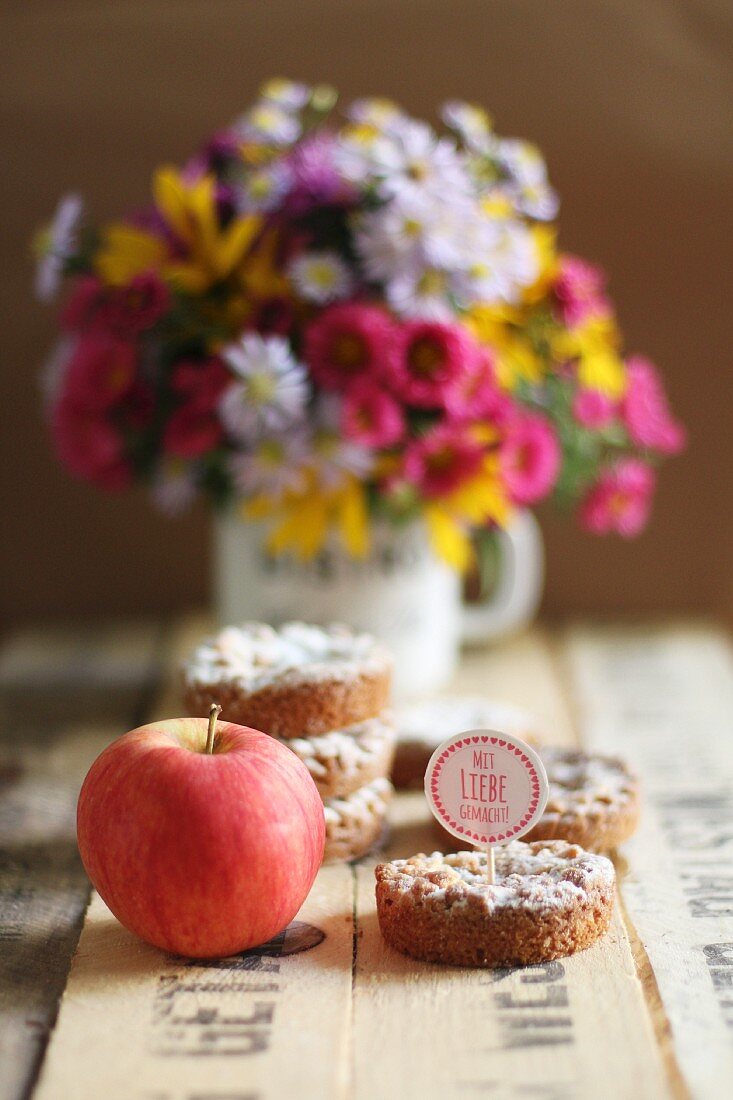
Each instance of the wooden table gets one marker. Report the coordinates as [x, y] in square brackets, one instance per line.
[646, 1013]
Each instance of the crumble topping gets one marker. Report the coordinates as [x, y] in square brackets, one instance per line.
[348, 748]
[537, 876]
[365, 803]
[256, 655]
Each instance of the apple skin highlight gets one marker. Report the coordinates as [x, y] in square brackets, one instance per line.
[201, 854]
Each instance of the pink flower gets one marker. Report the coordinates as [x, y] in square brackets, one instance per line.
[592, 409]
[645, 410]
[126, 310]
[442, 460]
[580, 291]
[620, 500]
[347, 341]
[194, 427]
[431, 357]
[88, 444]
[474, 394]
[371, 416]
[200, 381]
[101, 370]
[191, 431]
[530, 458]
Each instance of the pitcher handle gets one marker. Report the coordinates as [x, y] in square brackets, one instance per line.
[518, 592]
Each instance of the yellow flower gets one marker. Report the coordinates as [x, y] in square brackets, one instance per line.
[189, 210]
[262, 276]
[544, 238]
[595, 347]
[126, 252]
[448, 538]
[500, 327]
[302, 521]
[480, 501]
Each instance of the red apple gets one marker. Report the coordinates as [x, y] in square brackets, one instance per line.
[202, 853]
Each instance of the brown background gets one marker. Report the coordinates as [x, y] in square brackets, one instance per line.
[632, 103]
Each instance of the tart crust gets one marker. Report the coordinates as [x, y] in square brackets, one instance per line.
[549, 900]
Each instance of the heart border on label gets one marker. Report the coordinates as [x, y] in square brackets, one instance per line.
[538, 794]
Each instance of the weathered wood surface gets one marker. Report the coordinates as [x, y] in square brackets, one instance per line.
[641, 1015]
[664, 699]
[50, 685]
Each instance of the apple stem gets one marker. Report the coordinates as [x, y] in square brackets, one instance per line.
[214, 712]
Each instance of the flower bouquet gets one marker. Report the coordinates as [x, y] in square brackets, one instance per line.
[332, 320]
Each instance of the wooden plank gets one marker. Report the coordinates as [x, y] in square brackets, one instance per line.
[45, 751]
[136, 1023]
[576, 1027]
[664, 699]
[573, 1028]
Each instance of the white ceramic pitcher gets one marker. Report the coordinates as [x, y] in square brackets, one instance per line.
[402, 593]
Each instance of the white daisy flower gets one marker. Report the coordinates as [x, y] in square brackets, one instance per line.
[411, 230]
[274, 466]
[333, 456]
[422, 292]
[174, 488]
[420, 160]
[376, 112]
[270, 123]
[321, 277]
[56, 244]
[363, 155]
[471, 123]
[271, 388]
[289, 94]
[263, 188]
[525, 171]
[504, 259]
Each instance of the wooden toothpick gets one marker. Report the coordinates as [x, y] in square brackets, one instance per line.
[490, 866]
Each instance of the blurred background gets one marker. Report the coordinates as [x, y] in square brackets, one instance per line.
[633, 107]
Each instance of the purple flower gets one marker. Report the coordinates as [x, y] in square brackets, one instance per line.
[315, 179]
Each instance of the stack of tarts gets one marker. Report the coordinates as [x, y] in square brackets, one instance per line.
[322, 691]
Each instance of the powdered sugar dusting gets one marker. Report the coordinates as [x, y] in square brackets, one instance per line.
[256, 655]
[537, 876]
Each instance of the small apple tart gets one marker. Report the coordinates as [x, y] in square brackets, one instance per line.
[548, 899]
[291, 681]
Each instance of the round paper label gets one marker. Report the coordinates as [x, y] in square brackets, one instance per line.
[486, 787]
